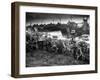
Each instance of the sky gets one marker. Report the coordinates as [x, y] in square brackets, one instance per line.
[47, 18]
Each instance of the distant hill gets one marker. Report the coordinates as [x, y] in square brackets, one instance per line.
[64, 28]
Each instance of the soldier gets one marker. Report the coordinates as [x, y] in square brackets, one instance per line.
[54, 46]
[74, 48]
[60, 47]
[80, 53]
[48, 44]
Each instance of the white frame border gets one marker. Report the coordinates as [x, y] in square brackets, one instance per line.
[53, 69]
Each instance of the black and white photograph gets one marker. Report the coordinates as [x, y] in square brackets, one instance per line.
[57, 39]
[52, 39]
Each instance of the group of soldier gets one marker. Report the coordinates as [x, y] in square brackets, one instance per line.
[54, 46]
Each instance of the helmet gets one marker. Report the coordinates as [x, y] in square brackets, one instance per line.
[85, 19]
